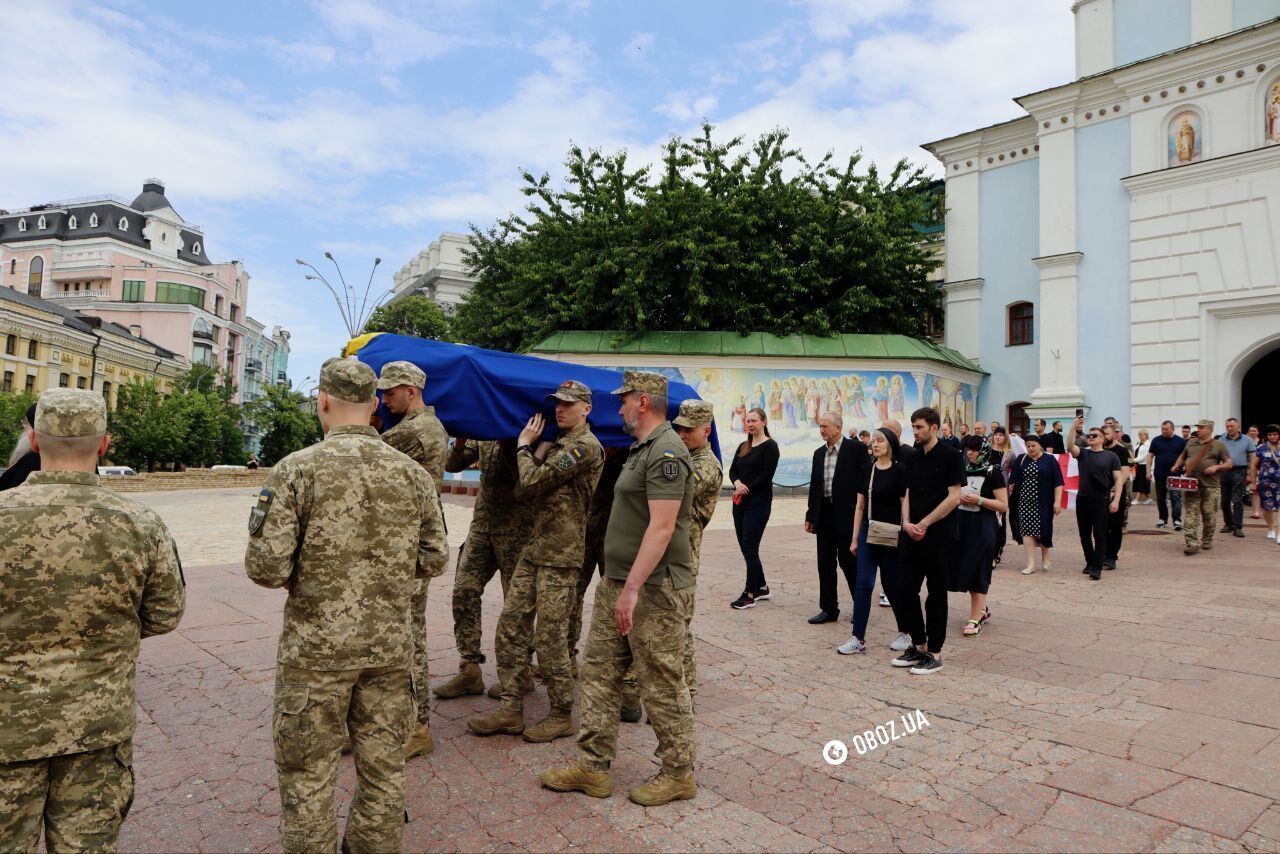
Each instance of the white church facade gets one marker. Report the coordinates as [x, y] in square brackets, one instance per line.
[1117, 249]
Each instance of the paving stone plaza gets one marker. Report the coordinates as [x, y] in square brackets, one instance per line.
[1139, 713]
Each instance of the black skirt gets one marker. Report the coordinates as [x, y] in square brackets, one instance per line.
[1141, 483]
[975, 552]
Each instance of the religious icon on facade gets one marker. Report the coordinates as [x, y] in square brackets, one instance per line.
[1185, 139]
[1273, 114]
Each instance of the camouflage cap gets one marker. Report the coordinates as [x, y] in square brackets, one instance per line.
[694, 413]
[71, 413]
[1205, 422]
[348, 379]
[401, 373]
[645, 382]
[571, 391]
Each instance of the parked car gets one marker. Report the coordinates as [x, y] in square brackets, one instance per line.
[116, 471]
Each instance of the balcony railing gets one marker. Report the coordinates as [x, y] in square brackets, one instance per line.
[206, 334]
[253, 365]
[280, 376]
[97, 294]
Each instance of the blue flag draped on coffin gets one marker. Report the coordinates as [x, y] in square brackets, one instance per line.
[488, 394]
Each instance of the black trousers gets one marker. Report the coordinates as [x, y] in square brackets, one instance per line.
[1092, 518]
[834, 542]
[1233, 484]
[1115, 529]
[1174, 498]
[923, 563]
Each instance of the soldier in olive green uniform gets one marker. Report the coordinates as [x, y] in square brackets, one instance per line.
[694, 425]
[420, 435]
[640, 607]
[546, 578]
[84, 574]
[1203, 457]
[499, 530]
[344, 526]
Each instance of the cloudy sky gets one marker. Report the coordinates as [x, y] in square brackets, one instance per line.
[366, 127]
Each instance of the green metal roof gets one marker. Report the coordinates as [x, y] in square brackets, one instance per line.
[756, 344]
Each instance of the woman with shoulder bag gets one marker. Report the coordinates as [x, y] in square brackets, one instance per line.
[877, 521]
[981, 498]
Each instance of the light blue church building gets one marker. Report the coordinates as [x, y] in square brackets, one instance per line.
[1115, 249]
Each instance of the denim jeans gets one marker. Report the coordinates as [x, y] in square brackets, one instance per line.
[864, 585]
[750, 516]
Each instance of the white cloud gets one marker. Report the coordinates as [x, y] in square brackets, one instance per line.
[838, 19]
[685, 107]
[391, 33]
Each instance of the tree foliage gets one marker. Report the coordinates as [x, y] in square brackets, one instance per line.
[197, 425]
[13, 405]
[412, 315]
[288, 424]
[715, 236]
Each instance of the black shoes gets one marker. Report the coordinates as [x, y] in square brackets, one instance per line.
[1226, 529]
[1108, 564]
[910, 657]
[1095, 574]
[823, 617]
[746, 600]
[1238, 533]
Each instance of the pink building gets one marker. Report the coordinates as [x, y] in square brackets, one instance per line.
[137, 264]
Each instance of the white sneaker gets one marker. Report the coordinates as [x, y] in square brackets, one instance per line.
[901, 642]
[1271, 535]
[884, 601]
[852, 646]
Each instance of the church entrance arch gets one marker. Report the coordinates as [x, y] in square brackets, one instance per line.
[1260, 391]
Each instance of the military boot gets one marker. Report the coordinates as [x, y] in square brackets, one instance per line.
[554, 725]
[575, 778]
[467, 681]
[631, 716]
[505, 721]
[663, 789]
[347, 746]
[420, 742]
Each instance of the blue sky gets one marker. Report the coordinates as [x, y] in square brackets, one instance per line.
[289, 127]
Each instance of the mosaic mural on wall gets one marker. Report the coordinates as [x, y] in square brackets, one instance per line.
[793, 401]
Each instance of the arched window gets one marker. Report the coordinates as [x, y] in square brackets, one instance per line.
[35, 276]
[22, 224]
[13, 266]
[1017, 421]
[41, 225]
[93, 220]
[72, 224]
[1186, 138]
[123, 225]
[195, 250]
[1021, 324]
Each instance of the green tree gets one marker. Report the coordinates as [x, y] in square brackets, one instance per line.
[412, 315]
[143, 432]
[287, 423]
[715, 236]
[13, 406]
[198, 425]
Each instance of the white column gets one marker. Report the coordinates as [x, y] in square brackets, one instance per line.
[1095, 36]
[1211, 18]
[964, 318]
[1059, 335]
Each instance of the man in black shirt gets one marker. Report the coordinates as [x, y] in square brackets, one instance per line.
[1101, 484]
[1050, 440]
[935, 473]
[1164, 452]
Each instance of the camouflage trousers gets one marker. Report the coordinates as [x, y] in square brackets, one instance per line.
[483, 554]
[547, 593]
[592, 559]
[631, 691]
[79, 799]
[311, 708]
[1200, 515]
[421, 671]
[656, 647]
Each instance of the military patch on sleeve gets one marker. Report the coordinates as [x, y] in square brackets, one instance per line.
[566, 460]
[258, 515]
[578, 452]
[670, 469]
[697, 476]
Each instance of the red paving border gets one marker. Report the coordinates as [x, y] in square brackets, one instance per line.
[1136, 713]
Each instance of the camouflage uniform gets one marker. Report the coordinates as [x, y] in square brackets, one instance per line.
[499, 530]
[345, 526]
[657, 468]
[1200, 508]
[422, 437]
[87, 574]
[559, 493]
[708, 477]
[597, 522]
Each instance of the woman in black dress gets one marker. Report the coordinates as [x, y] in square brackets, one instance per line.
[752, 474]
[1035, 493]
[981, 498]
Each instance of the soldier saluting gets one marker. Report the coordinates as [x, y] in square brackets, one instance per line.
[87, 573]
[345, 526]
